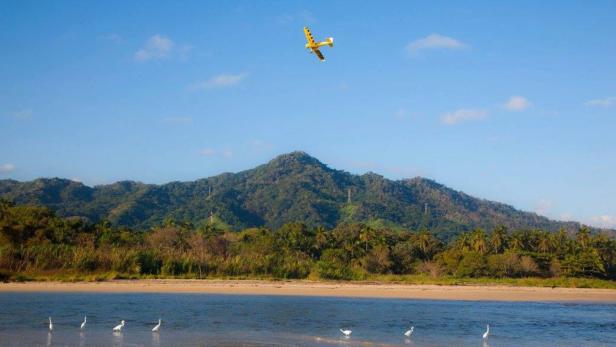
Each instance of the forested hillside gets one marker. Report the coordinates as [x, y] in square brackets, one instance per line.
[293, 187]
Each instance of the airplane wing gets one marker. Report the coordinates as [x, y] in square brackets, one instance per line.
[309, 37]
[319, 54]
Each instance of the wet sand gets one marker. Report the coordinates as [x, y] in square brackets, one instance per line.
[333, 289]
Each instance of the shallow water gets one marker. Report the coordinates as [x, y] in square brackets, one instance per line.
[222, 320]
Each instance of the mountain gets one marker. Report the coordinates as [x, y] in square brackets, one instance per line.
[291, 187]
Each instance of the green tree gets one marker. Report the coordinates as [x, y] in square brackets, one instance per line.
[403, 256]
[478, 239]
[427, 244]
[585, 263]
[544, 244]
[471, 265]
[366, 236]
[583, 237]
[516, 242]
[498, 239]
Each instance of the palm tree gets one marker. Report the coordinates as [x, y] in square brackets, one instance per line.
[426, 243]
[321, 240]
[347, 236]
[516, 242]
[478, 239]
[544, 243]
[583, 237]
[606, 248]
[498, 239]
[366, 235]
[561, 243]
[464, 242]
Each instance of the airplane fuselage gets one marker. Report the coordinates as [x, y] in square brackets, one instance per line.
[318, 45]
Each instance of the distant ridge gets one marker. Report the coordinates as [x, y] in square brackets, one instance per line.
[291, 187]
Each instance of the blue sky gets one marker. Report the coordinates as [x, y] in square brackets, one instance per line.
[514, 102]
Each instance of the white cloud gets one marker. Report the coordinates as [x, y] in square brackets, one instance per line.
[227, 153]
[463, 115]
[605, 102]
[307, 16]
[113, 37]
[22, 114]
[7, 168]
[566, 216]
[304, 17]
[208, 152]
[178, 120]
[404, 114]
[604, 221]
[434, 41]
[285, 19]
[157, 47]
[543, 207]
[517, 103]
[183, 51]
[400, 114]
[211, 152]
[220, 81]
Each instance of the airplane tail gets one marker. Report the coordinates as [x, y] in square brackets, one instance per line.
[330, 41]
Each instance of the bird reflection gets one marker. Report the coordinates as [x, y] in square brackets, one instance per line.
[155, 340]
[408, 341]
[118, 339]
[486, 343]
[49, 338]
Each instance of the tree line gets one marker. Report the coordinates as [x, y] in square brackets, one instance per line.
[33, 240]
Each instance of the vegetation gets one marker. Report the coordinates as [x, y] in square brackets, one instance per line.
[35, 243]
[293, 187]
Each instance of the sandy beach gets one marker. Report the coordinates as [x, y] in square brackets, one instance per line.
[334, 289]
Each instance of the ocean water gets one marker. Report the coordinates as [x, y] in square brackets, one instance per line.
[226, 320]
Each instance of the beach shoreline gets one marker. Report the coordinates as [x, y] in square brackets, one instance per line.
[323, 289]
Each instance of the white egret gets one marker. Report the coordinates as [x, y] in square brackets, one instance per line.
[119, 327]
[157, 327]
[50, 325]
[346, 333]
[487, 333]
[409, 332]
[83, 325]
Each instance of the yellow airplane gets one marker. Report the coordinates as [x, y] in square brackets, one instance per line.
[314, 46]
